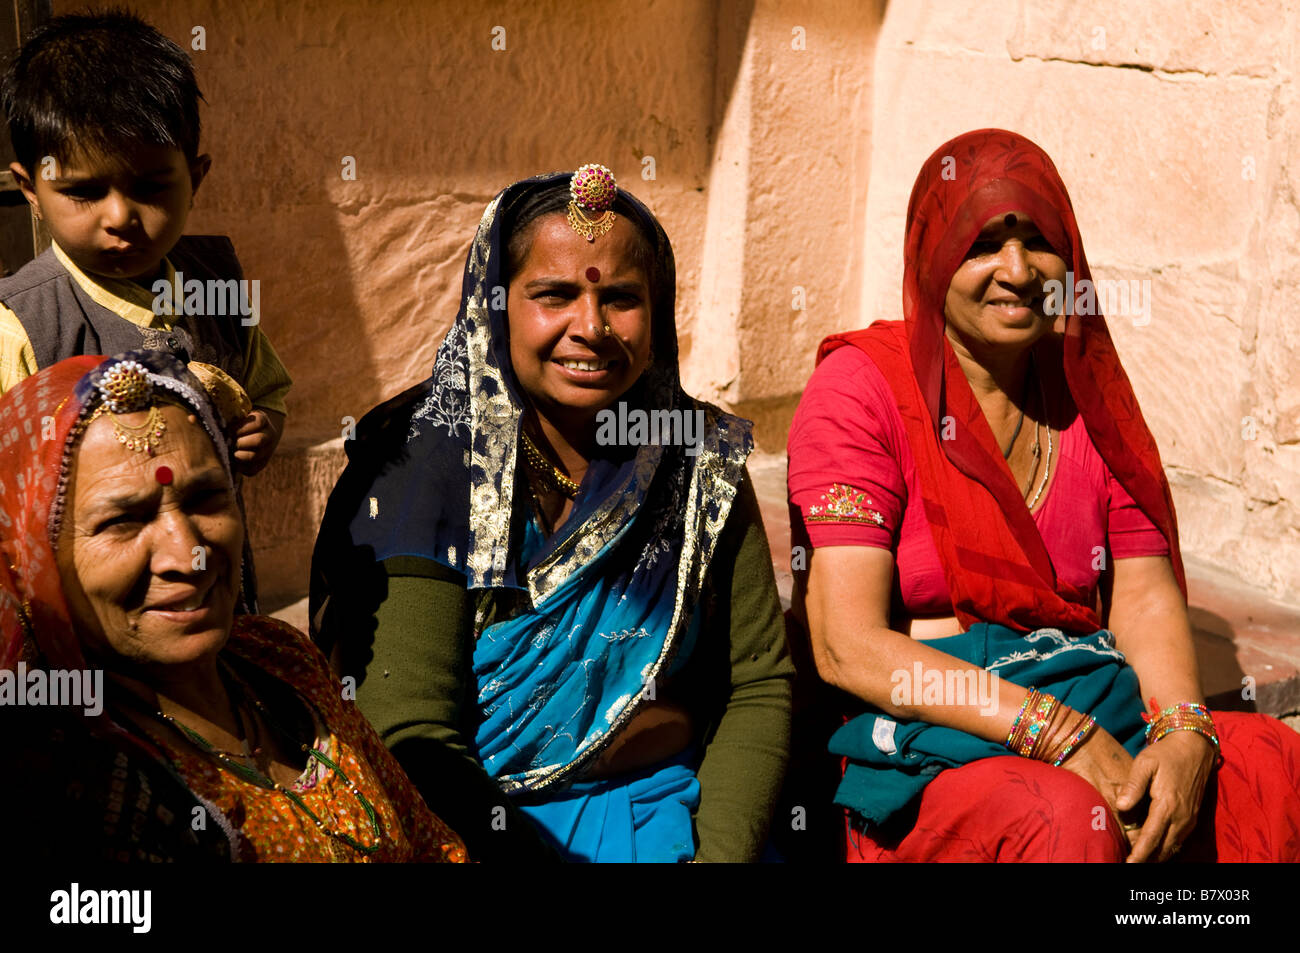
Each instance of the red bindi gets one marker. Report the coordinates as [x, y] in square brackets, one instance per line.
[593, 274]
[1010, 220]
[163, 475]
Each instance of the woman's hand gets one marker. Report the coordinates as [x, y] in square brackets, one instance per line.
[1103, 763]
[1174, 772]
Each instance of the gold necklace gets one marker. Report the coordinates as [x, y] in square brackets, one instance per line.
[255, 776]
[547, 471]
[1047, 468]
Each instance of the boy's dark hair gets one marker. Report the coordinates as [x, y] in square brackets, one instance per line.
[100, 82]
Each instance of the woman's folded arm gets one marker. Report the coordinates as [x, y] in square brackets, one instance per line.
[847, 601]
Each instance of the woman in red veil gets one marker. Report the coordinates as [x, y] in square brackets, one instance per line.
[995, 577]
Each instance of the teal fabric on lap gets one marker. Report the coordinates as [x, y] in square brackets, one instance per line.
[890, 762]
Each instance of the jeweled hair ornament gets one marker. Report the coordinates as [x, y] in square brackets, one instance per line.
[126, 388]
[131, 381]
[592, 190]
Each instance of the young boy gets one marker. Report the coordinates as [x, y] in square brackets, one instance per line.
[103, 112]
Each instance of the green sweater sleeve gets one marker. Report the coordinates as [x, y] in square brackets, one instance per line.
[743, 648]
[418, 693]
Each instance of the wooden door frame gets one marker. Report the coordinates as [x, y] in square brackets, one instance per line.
[22, 237]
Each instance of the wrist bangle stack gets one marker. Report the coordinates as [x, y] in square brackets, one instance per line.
[1015, 724]
[1184, 716]
[1081, 730]
[1036, 723]
[1034, 716]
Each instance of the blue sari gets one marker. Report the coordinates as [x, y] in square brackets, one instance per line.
[554, 679]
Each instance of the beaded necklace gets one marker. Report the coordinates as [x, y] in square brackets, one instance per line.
[252, 776]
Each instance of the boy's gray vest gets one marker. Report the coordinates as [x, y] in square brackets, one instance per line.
[62, 321]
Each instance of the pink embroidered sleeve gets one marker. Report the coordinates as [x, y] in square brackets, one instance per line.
[845, 484]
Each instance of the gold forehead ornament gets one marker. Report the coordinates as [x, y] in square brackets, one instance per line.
[126, 388]
[592, 190]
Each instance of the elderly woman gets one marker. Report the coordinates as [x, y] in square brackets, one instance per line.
[209, 735]
[578, 602]
[982, 496]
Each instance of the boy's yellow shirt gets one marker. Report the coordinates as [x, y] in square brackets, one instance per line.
[265, 379]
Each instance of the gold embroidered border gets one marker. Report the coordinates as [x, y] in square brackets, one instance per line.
[493, 429]
[715, 476]
[844, 504]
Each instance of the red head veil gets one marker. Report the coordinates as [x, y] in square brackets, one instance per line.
[996, 565]
[36, 418]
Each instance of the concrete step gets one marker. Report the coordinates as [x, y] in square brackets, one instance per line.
[1246, 644]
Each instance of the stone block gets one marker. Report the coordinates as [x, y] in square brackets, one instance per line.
[285, 503]
[1251, 38]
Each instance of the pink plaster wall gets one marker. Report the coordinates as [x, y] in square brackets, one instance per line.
[361, 278]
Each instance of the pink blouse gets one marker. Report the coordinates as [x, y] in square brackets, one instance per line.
[853, 482]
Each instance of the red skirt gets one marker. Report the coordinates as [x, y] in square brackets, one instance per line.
[1014, 809]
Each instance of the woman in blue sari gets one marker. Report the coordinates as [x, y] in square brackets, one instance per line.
[545, 566]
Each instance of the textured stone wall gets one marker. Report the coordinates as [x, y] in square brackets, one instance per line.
[787, 204]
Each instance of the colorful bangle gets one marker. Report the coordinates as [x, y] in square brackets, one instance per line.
[1036, 733]
[1022, 722]
[1015, 724]
[1059, 729]
[1053, 732]
[1076, 739]
[1035, 715]
[1194, 708]
[1184, 716]
[1061, 735]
